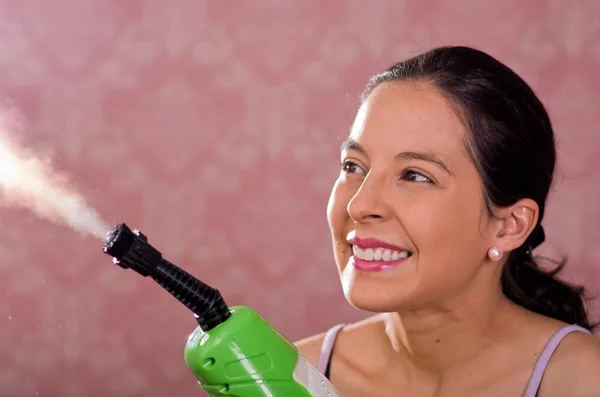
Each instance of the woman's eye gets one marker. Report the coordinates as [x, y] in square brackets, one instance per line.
[415, 176]
[351, 168]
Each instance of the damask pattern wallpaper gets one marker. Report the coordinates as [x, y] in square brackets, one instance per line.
[215, 129]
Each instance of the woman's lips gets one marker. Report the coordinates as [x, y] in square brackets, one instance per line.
[373, 255]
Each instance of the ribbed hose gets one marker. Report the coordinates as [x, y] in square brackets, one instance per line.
[206, 302]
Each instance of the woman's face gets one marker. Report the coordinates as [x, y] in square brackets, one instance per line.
[407, 215]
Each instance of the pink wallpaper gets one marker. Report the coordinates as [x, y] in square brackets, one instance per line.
[215, 129]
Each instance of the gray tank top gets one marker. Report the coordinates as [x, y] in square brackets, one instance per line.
[534, 381]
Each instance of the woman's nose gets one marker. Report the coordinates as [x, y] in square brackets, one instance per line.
[370, 203]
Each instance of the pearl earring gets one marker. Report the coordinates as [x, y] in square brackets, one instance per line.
[495, 253]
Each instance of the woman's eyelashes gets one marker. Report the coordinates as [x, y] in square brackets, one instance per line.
[415, 176]
[350, 167]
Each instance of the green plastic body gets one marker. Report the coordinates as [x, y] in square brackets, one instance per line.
[245, 357]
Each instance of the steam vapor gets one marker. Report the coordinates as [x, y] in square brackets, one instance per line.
[27, 181]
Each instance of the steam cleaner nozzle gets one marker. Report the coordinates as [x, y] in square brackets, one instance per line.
[130, 250]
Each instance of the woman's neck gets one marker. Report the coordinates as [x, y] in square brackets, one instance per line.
[442, 340]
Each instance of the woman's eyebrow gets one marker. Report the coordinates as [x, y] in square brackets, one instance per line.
[351, 144]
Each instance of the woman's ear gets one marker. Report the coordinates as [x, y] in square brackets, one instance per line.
[514, 224]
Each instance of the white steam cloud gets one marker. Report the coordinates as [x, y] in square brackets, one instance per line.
[27, 181]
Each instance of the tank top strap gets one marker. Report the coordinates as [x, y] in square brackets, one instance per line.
[327, 347]
[542, 362]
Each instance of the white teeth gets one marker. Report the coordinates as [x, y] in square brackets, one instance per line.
[378, 254]
[359, 253]
[387, 255]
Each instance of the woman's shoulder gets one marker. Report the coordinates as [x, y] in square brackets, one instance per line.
[310, 347]
[574, 368]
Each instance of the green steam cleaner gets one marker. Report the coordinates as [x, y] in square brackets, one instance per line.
[233, 351]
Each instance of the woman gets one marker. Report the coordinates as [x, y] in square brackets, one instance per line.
[434, 217]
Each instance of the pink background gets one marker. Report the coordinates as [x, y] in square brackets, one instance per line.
[215, 129]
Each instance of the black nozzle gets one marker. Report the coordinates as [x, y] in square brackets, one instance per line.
[130, 250]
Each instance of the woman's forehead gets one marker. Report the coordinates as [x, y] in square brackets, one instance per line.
[396, 115]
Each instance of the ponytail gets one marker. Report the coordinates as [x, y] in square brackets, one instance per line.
[528, 285]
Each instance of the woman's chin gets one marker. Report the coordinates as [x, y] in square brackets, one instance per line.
[376, 300]
[379, 292]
